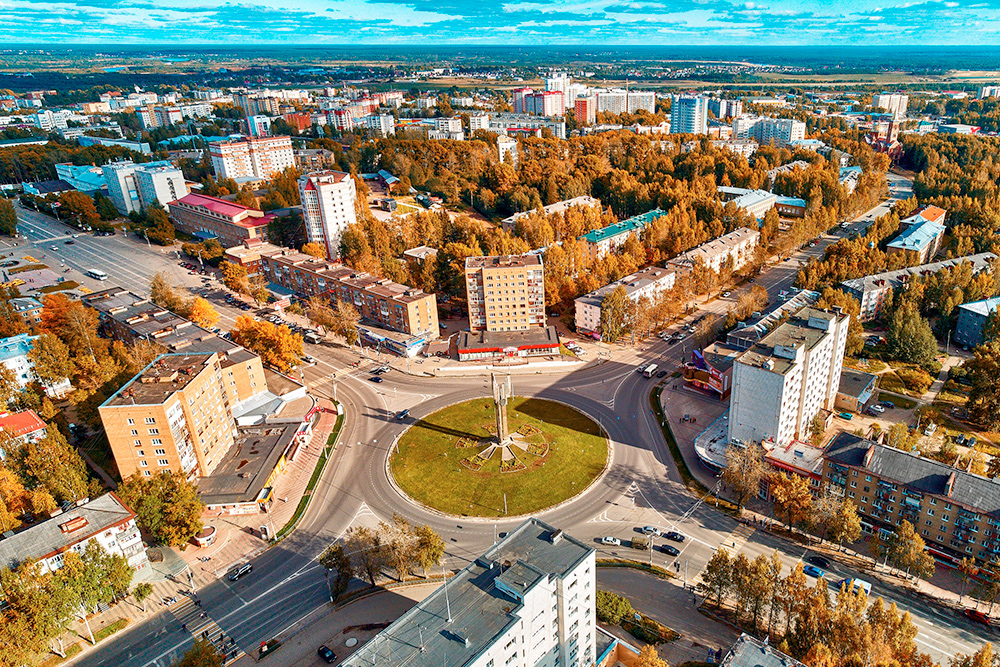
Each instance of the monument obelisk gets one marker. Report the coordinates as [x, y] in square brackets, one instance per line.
[501, 396]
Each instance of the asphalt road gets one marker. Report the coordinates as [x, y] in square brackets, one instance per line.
[642, 486]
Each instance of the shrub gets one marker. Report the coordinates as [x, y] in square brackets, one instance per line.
[915, 379]
[612, 608]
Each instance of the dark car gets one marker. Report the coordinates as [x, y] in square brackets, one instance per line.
[977, 616]
[70, 241]
[240, 571]
[326, 654]
[675, 536]
[661, 374]
[403, 414]
[375, 378]
[818, 561]
[670, 549]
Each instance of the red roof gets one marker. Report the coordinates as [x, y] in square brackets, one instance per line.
[223, 207]
[21, 423]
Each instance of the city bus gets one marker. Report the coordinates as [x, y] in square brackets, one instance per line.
[97, 274]
[649, 370]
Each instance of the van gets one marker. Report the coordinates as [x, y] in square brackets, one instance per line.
[97, 274]
[856, 584]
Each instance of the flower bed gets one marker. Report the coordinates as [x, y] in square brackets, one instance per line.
[538, 449]
[527, 430]
[511, 465]
[466, 443]
[474, 462]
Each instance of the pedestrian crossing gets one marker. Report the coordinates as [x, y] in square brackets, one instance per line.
[188, 612]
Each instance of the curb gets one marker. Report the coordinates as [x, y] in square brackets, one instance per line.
[482, 519]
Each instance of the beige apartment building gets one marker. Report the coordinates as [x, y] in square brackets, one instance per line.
[505, 293]
[177, 414]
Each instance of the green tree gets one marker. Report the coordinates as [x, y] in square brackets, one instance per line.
[984, 397]
[909, 336]
[429, 548]
[105, 207]
[612, 608]
[717, 579]
[335, 559]
[52, 463]
[615, 308]
[364, 544]
[8, 218]
[167, 506]
[50, 359]
[141, 593]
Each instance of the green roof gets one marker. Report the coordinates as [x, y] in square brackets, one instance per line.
[634, 224]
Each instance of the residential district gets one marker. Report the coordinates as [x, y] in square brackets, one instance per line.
[725, 361]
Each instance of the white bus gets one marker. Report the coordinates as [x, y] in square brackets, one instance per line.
[97, 273]
[649, 370]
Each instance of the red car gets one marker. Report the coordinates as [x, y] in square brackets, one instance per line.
[977, 616]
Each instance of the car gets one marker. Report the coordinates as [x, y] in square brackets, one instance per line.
[70, 241]
[670, 549]
[960, 440]
[240, 571]
[442, 325]
[309, 360]
[970, 442]
[846, 415]
[375, 378]
[326, 654]
[403, 414]
[877, 409]
[53, 248]
[818, 561]
[814, 571]
[611, 541]
[674, 535]
[977, 616]
[726, 295]
[661, 374]
[650, 530]
[887, 404]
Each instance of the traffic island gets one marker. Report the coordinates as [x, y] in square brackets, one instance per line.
[452, 462]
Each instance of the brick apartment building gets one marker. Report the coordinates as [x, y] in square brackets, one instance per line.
[505, 293]
[209, 217]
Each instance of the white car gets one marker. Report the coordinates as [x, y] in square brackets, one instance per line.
[877, 409]
[611, 541]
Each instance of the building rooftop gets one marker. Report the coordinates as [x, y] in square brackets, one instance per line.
[853, 383]
[421, 252]
[21, 423]
[776, 352]
[899, 277]
[53, 186]
[23, 303]
[155, 383]
[502, 261]
[918, 473]
[485, 341]
[708, 251]
[752, 652]
[746, 198]
[585, 201]
[225, 208]
[985, 307]
[920, 234]
[926, 214]
[482, 598]
[748, 333]
[797, 456]
[790, 201]
[628, 226]
[16, 346]
[632, 283]
[243, 472]
[64, 530]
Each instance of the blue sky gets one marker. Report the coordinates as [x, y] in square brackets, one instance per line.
[592, 22]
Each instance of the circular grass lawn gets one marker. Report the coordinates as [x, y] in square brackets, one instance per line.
[436, 463]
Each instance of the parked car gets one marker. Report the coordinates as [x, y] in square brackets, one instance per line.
[846, 415]
[726, 295]
[674, 535]
[960, 440]
[877, 409]
[650, 530]
[888, 404]
[611, 541]
[814, 571]
[670, 550]
[930, 429]
[375, 378]
[403, 414]
[661, 374]
[970, 442]
[977, 616]
[818, 561]
[327, 655]
[240, 571]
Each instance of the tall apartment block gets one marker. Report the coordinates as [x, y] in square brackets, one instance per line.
[895, 103]
[328, 199]
[529, 601]
[177, 414]
[253, 157]
[132, 187]
[505, 293]
[784, 380]
[585, 110]
[688, 114]
[766, 130]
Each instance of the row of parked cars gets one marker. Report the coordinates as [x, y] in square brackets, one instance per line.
[652, 531]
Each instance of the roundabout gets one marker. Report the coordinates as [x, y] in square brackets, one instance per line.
[451, 461]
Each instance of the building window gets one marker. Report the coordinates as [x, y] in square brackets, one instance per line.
[161, 452]
[146, 473]
[157, 441]
[142, 464]
[138, 443]
[150, 420]
[131, 421]
[162, 462]
[135, 432]
[154, 431]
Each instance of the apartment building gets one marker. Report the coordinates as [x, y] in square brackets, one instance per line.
[647, 283]
[255, 105]
[585, 201]
[507, 149]
[211, 218]
[252, 157]
[520, 124]
[766, 130]
[787, 378]
[28, 308]
[921, 234]
[105, 521]
[689, 114]
[739, 247]
[127, 188]
[612, 101]
[257, 126]
[545, 103]
[872, 291]
[177, 413]
[973, 318]
[744, 147]
[755, 202]
[894, 103]
[956, 512]
[602, 241]
[585, 110]
[527, 602]
[641, 100]
[725, 108]
[14, 355]
[328, 201]
[505, 293]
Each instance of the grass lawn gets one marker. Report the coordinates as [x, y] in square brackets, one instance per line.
[898, 401]
[428, 462]
[60, 287]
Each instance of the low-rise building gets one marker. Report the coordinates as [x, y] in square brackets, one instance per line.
[88, 179]
[14, 355]
[529, 601]
[855, 390]
[229, 223]
[28, 308]
[921, 234]
[22, 427]
[754, 202]
[749, 651]
[871, 291]
[973, 318]
[647, 283]
[744, 147]
[106, 521]
[738, 247]
[602, 241]
[584, 201]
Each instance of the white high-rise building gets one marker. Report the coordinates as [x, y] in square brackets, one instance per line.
[529, 601]
[328, 199]
[253, 157]
[765, 130]
[782, 382]
[612, 101]
[124, 184]
[641, 100]
[508, 149]
[381, 125]
[688, 114]
[893, 102]
[989, 91]
[560, 82]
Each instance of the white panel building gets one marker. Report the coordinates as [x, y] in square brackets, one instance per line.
[527, 602]
[785, 379]
[688, 114]
[765, 130]
[163, 184]
[254, 157]
[892, 102]
[647, 283]
[132, 187]
[328, 200]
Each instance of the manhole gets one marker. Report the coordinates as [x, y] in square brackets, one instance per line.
[351, 642]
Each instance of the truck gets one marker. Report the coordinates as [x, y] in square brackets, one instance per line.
[649, 370]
